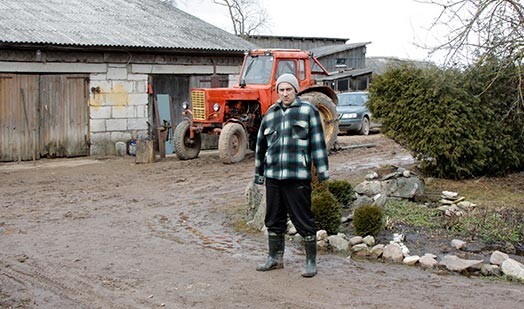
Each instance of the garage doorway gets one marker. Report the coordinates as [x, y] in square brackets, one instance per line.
[43, 115]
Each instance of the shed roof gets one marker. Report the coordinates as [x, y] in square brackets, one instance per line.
[333, 49]
[296, 38]
[347, 73]
[111, 23]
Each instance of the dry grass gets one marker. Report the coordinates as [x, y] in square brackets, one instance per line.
[495, 192]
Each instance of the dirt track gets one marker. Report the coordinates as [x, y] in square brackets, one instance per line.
[87, 233]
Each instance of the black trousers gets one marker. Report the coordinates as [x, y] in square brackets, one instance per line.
[293, 197]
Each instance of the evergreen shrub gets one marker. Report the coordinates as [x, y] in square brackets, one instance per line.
[327, 211]
[342, 190]
[458, 123]
[368, 220]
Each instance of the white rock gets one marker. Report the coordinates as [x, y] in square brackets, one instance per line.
[371, 176]
[490, 270]
[466, 204]
[405, 250]
[427, 261]
[458, 244]
[322, 244]
[322, 234]
[356, 240]
[406, 173]
[513, 269]
[377, 251]
[411, 260]
[430, 255]
[449, 194]
[359, 247]
[360, 250]
[380, 199]
[398, 238]
[454, 263]
[369, 240]
[338, 243]
[497, 257]
[393, 253]
[443, 208]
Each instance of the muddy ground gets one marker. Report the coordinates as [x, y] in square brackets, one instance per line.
[108, 233]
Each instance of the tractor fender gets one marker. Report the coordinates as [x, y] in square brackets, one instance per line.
[322, 89]
[234, 120]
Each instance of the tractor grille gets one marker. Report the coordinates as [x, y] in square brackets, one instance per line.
[198, 99]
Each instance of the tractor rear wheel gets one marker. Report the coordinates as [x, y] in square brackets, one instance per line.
[185, 147]
[232, 143]
[328, 114]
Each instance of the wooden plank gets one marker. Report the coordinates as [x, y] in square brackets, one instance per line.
[159, 132]
[144, 151]
[29, 125]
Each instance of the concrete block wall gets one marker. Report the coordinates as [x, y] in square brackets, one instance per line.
[118, 108]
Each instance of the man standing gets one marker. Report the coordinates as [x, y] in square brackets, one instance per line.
[289, 141]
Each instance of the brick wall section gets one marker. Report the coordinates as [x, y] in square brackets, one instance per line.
[118, 108]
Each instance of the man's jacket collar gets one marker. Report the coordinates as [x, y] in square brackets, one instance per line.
[295, 103]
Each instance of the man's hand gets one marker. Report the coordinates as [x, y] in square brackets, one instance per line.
[259, 180]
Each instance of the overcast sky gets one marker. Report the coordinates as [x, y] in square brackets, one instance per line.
[393, 27]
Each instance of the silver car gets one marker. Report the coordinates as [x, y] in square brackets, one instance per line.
[354, 115]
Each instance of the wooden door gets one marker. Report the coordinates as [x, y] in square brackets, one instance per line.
[19, 125]
[64, 115]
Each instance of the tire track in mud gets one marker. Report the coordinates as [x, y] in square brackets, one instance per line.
[74, 291]
[183, 230]
[194, 214]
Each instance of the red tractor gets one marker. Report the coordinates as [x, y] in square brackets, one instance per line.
[235, 113]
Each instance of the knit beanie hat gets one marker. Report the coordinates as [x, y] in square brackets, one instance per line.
[288, 78]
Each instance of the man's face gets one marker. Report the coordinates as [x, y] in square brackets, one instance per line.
[286, 93]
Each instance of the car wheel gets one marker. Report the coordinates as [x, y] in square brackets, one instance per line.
[364, 128]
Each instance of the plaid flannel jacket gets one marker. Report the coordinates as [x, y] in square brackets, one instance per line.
[288, 141]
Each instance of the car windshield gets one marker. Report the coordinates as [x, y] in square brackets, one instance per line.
[257, 70]
[352, 99]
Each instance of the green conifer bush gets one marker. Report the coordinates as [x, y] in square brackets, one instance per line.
[327, 211]
[368, 220]
[342, 190]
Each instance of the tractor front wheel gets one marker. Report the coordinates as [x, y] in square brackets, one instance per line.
[232, 143]
[185, 147]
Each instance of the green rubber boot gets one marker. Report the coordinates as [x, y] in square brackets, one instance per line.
[275, 259]
[310, 243]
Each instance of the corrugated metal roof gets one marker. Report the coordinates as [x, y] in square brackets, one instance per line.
[299, 38]
[111, 23]
[348, 73]
[333, 49]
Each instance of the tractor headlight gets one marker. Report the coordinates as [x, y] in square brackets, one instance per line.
[185, 105]
[216, 107]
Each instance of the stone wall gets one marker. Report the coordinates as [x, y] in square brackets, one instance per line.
[118, 108]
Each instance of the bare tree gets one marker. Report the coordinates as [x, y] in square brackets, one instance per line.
[482, 29]
[247, 17]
